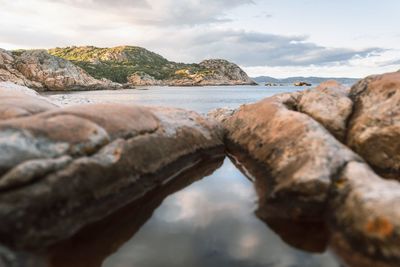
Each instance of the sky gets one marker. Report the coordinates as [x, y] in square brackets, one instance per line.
[279, 38]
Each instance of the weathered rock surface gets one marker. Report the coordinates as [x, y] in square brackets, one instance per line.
[224, 73]
[302, 173]
[144, 79]
[39, 70]
[297, 155]
[364, 217]
[9, 74]
[374, 128]
[214, 72]
[18, 101]
[57, 74]
[65, 168]
[328, 104]
[141, 67]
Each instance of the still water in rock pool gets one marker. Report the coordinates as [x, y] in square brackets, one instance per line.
[210, 222]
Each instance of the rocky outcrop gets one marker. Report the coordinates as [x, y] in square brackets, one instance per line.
[298, 156]
[364, 217]
[8, 73]
[140, 67]
[223, 72]
[64, 168]
[374, 127]
[144, 79]
[56, 73]
[92, 68]
[39, 70]
[304, 176]
[302, 84]
[213, 72]
[328, 104]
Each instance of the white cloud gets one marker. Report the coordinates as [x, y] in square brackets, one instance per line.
[187, 31]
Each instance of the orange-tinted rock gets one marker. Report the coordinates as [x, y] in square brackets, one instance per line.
[374, 128]
[298, 155]
[328, 104]
[364, 217]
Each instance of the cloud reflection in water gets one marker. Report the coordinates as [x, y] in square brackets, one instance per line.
[212, 223]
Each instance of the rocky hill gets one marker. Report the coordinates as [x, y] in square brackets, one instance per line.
[138, 66]
[39, 70]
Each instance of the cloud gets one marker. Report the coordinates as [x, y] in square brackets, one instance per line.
[258, 49]
[165, 13]
[105, 3]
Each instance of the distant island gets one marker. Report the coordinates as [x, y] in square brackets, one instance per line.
[93, 68]
[309, 80]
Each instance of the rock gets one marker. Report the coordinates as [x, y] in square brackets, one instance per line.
[55, 73]
[271, 84]
[374, 127]
[307, 236]
[302, 84]
[18, 101]
[328, 104]
[295, 157]
[221, 114]
[144, 79]
[65, 168]
[223, 72]
[9, 74]
[213, 72]
[364, 217]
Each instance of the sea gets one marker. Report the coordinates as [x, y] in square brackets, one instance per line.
[211, 222]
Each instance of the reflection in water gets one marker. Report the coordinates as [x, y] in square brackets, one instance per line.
[96, 242]
[207, 224]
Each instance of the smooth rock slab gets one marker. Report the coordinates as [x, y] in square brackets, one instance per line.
[63, 169]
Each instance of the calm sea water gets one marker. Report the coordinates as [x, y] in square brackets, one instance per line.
[200, 99]
[212, 221]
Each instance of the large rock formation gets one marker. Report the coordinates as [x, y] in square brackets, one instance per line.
[39, 70]
[374, 127]
[64, 168]
[211, 72]
[298, 155]
[8, 73]
[223, 72]
[285, 144]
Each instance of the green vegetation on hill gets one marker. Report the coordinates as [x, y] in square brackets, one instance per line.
[118, 63]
